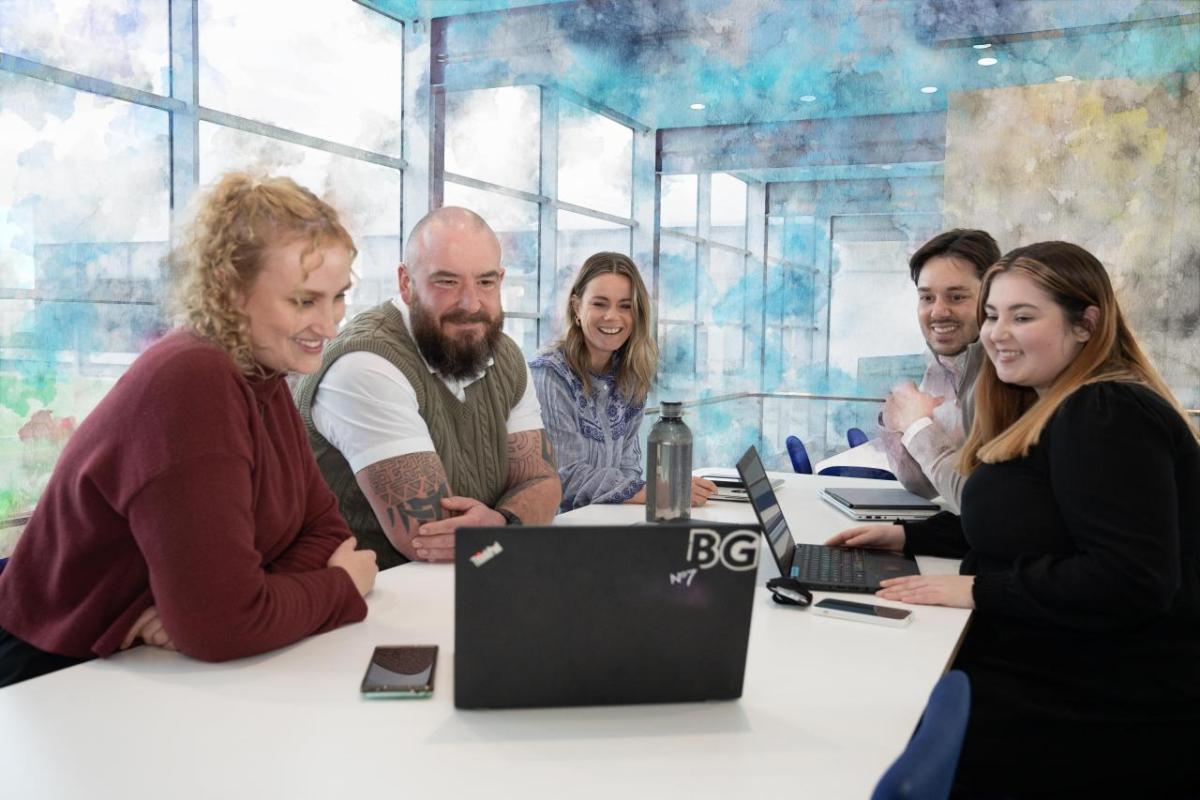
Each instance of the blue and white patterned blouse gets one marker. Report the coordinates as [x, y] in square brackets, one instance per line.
[595, 436]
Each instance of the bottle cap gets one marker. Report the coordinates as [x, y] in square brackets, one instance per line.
[670, 410]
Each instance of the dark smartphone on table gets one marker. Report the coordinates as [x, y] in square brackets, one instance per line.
[400, 672]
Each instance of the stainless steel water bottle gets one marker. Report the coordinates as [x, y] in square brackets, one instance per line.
[669, 467]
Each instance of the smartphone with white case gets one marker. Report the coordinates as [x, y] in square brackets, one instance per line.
[863, 612]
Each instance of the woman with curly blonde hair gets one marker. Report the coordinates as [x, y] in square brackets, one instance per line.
[592, 386]
[187, 511]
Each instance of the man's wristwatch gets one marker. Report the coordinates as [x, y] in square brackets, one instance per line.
[509, 517]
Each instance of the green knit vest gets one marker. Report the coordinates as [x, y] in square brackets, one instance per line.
[469, 437]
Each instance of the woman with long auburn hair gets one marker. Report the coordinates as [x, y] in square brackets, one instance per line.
[592, 385]
[187, 512]
[1080, 541]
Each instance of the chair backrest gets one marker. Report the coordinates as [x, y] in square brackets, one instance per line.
[858, 472]
[855, 437]
[926, 768]
[799, 456]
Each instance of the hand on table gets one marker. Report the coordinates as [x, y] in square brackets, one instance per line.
[435, 540]
[905, 405]
[930, 590]
[702, 489]
[359, 564]
[149, 629]
[881, 536]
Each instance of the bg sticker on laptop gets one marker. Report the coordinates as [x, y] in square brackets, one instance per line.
[737, 551]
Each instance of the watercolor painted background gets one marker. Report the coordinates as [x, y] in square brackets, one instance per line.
[1113, 164]
[772, 225]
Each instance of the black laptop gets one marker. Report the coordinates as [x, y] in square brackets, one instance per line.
[834, 569]
[572, 616]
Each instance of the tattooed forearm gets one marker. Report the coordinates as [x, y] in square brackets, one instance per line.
[530, 455]
[405, 492]
[534, 491]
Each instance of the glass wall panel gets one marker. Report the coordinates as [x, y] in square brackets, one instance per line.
[723, 296]
[676, 360]
[84, 219]
[871, 344]
[728, 207]
[122, 41]
[677, 210]
[721, 350]
[524, 332]
[366, 195]
[332, 70]
[595, 161]
[676, 279]
[580, 236]
[516, 224]
[494, 135]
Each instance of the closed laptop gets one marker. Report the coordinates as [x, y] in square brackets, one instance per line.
[871, 505]
[570, 616]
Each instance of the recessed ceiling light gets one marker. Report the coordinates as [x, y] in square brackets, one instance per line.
[807, 98]
[696, 106]
[983, 46]
[885, 166]
[986, 61]
[928, 89]
[1065, 78]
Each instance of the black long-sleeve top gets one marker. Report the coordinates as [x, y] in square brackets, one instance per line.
[1086, 554]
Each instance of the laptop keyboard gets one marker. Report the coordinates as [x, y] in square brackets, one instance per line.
[816, 564]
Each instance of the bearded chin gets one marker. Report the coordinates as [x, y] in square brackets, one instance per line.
[450, 356]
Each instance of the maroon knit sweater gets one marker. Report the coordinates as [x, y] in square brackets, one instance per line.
[192, 489]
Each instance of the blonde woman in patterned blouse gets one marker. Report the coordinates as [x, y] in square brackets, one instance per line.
[592, 386]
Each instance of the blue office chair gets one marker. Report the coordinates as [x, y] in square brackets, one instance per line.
[859, 472]
[799, 456]
[855, 437]
[926, 767]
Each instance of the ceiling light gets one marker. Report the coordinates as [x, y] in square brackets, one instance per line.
[696, 106]
[885, 166]
[807, 98]
[986, 61]
[928, 89]
[1065, 78]
[984, 46]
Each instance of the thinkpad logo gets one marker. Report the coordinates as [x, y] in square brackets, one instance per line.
[487, 554]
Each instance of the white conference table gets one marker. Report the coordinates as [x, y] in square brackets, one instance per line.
[827, 705]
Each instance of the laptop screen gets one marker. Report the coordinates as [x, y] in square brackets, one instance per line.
[766, 506]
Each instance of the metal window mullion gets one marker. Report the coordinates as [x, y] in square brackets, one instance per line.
[184, 145]
[703, 254]
[475, 183]
[304, 140]
[417, 129]
[547, 288]
[628, 222]
[85, 83]
[591, 105]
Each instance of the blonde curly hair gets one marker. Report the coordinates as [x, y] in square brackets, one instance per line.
[221, 252]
